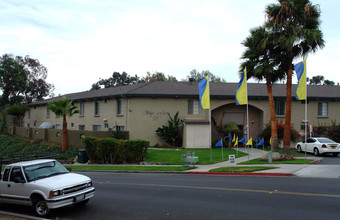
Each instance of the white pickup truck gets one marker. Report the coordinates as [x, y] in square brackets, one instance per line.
[44, 184]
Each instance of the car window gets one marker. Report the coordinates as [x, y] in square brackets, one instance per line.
[6, 174]
[16, 172]
[325, 140]
[310, 140]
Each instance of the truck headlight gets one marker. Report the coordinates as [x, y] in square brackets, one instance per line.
[89, 184]
[55, 193]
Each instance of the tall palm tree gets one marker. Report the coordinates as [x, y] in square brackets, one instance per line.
[261, 65]
[63, 108]
[295, 27]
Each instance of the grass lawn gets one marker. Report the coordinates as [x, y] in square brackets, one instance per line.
[130, 168]
[296, 161]
[241, 169]
[173, 156]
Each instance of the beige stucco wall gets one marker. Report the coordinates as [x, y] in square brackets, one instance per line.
[143, 115]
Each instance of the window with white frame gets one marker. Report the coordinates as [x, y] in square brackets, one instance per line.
[323, 109]
[57, 126]
[96, 108]
[119, 107]
[47, 112]
[96, 127]
[81, 109]
[192, 107]
[81, 127]
[280, 107]
[119, 128]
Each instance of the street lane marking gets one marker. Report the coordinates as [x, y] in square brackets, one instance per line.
[226, 189]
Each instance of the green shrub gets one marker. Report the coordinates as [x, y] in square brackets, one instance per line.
[91, 146]
[111, 150]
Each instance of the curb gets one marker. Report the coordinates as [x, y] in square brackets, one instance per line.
[242, 174]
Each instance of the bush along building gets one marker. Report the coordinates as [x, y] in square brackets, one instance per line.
[140, 109]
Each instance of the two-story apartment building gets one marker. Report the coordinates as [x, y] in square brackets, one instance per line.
[142, 108]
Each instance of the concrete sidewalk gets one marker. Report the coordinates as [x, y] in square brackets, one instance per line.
[289, 169]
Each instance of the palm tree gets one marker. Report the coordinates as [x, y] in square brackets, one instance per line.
[63, 108]
[295, 27]
[261, 65]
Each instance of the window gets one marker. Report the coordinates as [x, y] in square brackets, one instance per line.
[119, 128]
[6, 174]
[28, 125]
[29, 113]
[57, 126]
[97, 127]
[323, 109]
[72, 124]
[47, 113]
[106, 125]
[192, 107]
[119, 107]
[81, 127]
[16, 172]
[96, 108]
[81, 109]
[280, 107]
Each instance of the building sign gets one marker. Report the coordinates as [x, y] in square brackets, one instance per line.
[155, 115]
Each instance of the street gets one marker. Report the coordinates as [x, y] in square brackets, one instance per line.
[182, 196]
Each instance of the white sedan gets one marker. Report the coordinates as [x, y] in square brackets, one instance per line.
[319, 145]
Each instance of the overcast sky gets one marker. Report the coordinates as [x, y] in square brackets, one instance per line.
[80, 41]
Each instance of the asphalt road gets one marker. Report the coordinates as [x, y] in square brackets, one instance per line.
[182, 196]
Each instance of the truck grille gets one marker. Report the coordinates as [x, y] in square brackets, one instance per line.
[75, 188]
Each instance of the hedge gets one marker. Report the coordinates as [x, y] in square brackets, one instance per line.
[114, 151]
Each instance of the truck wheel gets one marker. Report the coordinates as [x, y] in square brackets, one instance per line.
[40, 207]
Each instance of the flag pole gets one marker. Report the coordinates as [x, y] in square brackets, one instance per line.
[210, 132]
[247, 117]
[306, 115]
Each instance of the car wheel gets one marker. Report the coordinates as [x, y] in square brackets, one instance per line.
[335, 154]
[299, 149]
[40, 207]
[82, 203]
[316, 152]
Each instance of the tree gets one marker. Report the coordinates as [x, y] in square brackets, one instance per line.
[197, 76]
[18, 112]
[261, 65]
[116, 79]
[295, 27]
[22, 79]
[12, 82]
[319, 79]
[158, 76]
[36, 86]
[63, 108]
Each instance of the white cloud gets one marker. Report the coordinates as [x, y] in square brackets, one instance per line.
[80, 41]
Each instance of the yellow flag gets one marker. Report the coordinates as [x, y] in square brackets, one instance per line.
[233, 139]
[250, 142]
[270, 141]
[236, 142]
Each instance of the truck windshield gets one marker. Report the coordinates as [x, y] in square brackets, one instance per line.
[43, 170]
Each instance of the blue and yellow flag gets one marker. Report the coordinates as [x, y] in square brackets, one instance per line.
[300, 70]
[241, 92]
[203, 90]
